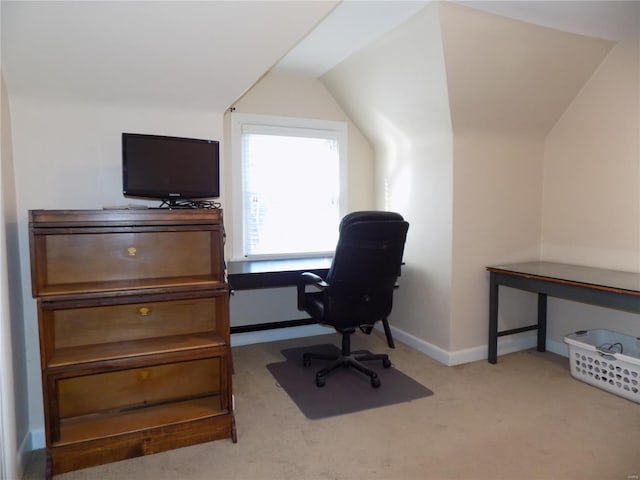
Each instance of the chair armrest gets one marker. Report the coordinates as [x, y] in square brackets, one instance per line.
[308, 278]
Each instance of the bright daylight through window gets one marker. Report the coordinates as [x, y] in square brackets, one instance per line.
[289, 185]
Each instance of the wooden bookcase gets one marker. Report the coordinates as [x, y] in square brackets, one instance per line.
[133, 315]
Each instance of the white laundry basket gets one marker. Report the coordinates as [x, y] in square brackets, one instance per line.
[606, 359]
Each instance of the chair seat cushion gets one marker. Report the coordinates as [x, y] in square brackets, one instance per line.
[352, 310]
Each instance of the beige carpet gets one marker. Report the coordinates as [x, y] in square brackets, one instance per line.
[524, 418]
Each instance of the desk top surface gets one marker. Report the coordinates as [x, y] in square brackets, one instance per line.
[277, 266]
[629, 282]
[247, 275]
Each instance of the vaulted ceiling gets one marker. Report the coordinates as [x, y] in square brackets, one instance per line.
[205, 54]
[188, 54]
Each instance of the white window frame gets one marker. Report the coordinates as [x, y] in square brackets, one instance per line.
[238, 121]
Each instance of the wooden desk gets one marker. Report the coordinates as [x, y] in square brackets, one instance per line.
[606, 288]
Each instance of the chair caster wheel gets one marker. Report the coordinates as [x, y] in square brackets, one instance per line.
[375, 383]
[320, 382]
[386, 363]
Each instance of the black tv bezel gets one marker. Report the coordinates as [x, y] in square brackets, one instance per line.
[162, 195]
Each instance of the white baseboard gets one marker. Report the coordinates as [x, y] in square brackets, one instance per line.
[559, 348]
[514, 343]
[427, 348]
[35, 440]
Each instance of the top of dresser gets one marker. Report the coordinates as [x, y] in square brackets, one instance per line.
[116, 217]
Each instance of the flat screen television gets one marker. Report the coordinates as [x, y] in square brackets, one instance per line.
[170, 169]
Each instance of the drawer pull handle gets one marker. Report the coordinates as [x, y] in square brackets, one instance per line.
[131, 251]
[144, 311]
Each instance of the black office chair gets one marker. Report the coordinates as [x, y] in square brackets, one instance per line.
[358, 290]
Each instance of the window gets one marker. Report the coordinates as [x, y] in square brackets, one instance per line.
[288, 185]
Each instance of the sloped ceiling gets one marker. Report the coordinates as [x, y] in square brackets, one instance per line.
[354, 24]
[503, 75]
[200, 54]
[351, 26]
[205, 54]
[605, 19]
[506, 75]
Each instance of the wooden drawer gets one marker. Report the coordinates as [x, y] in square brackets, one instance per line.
[193, 422]
[103, 257]
[94, 330]
[137, 387]
[121, 401]
[119, 259]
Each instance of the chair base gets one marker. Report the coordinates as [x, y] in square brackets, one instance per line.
[346, 360]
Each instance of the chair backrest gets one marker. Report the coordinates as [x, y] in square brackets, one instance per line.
[365, 268]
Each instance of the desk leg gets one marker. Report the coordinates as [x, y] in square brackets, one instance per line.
[493, 318]
[542, 322]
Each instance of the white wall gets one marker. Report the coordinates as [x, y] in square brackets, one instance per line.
[396, 90]
[14, 416]
[592, 169]
[509, 82]
[497, 212]
[592, 186]
[471, 185]
[68, 156]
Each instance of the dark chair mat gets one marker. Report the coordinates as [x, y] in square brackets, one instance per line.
[346, 390]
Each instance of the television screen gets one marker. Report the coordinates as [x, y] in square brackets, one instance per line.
[170, 168]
